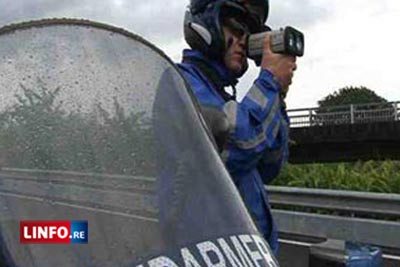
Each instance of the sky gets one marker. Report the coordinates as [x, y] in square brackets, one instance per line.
[348, 42]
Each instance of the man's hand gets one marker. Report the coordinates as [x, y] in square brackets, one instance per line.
[281, 66]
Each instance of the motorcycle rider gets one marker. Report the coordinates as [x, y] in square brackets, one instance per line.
[216, 31]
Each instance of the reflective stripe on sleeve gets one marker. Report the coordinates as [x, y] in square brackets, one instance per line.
[272, 113]
[254, 142]
[256, 95]
[276, 129]
[230, 109]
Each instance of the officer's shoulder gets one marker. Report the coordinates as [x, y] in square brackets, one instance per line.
[192, 75]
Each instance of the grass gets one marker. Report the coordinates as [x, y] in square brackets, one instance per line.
[370, 176]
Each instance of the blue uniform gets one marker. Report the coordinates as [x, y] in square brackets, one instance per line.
[258, 143]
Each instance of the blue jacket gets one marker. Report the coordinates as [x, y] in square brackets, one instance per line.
[258, 143]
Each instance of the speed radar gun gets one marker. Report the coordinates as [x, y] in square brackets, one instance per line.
[286, 40]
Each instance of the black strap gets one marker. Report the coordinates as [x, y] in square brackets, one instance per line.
[207, 70]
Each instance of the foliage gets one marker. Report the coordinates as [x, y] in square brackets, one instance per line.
[37, 132]
[371, 176]
[368, 106]
[351, 95]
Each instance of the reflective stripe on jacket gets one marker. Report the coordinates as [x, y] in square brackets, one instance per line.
[258, 143]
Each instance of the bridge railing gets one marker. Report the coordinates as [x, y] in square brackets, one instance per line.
[347, 114]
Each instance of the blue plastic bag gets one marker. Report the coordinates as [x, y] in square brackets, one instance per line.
[360, 255]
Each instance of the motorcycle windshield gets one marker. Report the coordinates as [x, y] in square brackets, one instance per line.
[105, 159]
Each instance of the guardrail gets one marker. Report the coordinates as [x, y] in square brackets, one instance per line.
[351, 202]
[371, 218]
[347, 114]
[359, 216]
[130, 196]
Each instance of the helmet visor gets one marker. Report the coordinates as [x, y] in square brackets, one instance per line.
[239, 17]
[236, 27]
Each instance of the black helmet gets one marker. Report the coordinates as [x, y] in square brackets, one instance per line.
[204, 18]
[259, 9]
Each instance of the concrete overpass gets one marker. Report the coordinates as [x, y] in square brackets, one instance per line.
[345, 133]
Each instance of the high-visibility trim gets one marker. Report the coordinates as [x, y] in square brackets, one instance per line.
[276, 129]
[272, 113]
[257, 96]
[254, 142]
[251, 143]
[230, 109]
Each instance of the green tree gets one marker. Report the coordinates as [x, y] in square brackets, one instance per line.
[336, 107]
[124, 142]
[29, 125]
[351, 95]
[38, 132]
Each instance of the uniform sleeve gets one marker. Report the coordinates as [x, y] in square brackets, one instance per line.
[257, 128]
[272, 160]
